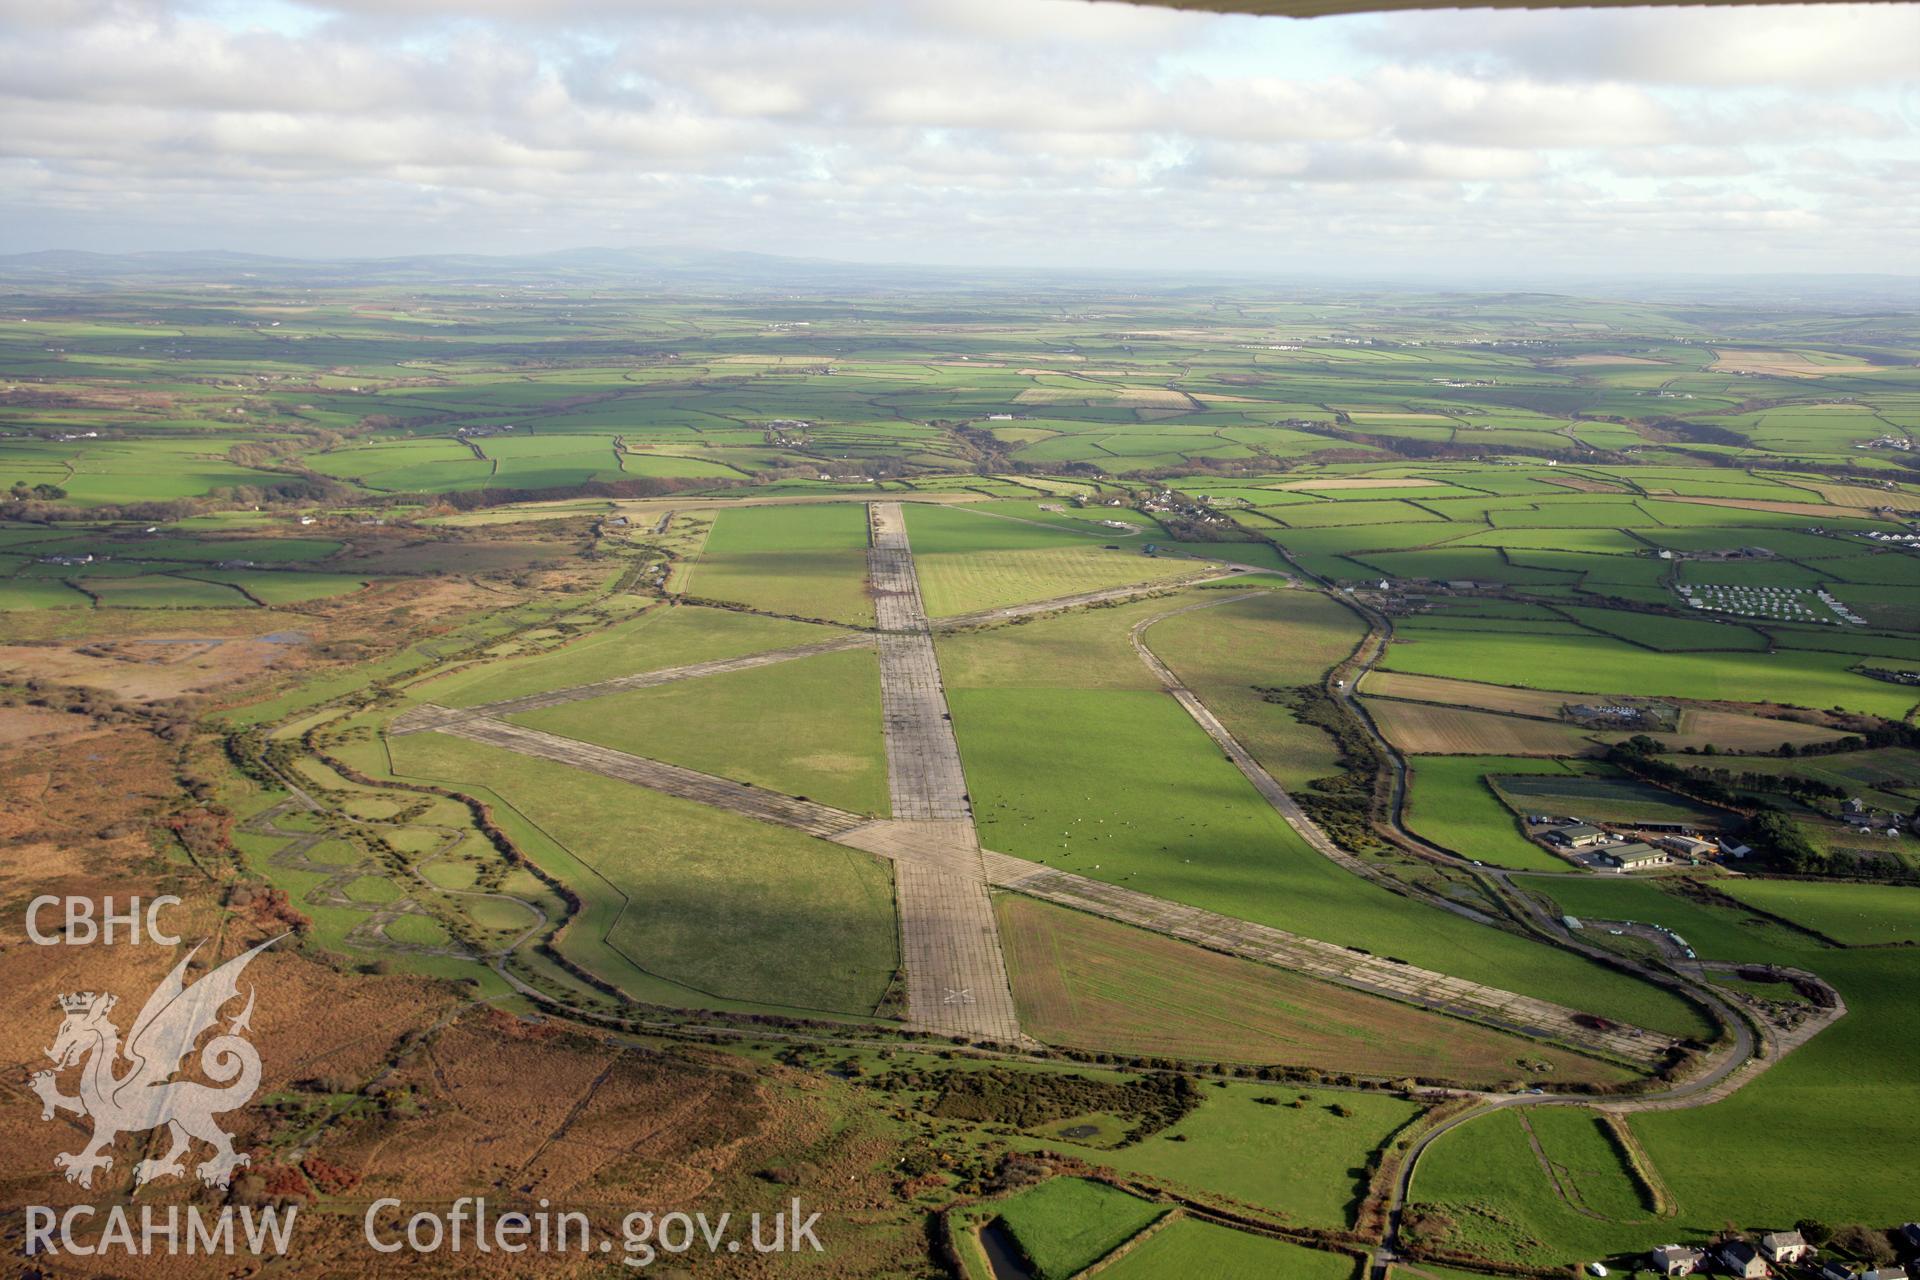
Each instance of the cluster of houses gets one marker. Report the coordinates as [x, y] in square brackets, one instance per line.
[1595, 846]
[1167, 502]
[1867, 821]
[1746, 1260]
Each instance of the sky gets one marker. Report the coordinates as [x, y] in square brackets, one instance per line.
[1031, 133]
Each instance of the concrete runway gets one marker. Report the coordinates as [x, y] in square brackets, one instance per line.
[949, 941]
[956, 973]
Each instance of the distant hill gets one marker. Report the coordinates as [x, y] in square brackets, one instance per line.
[692, 272]
[626, 268]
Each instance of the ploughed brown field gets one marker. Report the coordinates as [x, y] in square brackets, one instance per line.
[1422, 728]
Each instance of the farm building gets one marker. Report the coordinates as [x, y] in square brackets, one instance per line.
[1908, 1237]
[1677, 1260]
[1885, 1273]
[1636, 857]
[1687, 846]
[1784, 1246]
[1577, 836]
[1834, 1271]
[1740, 1259]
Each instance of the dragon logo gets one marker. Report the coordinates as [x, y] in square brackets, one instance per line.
[144, 1096]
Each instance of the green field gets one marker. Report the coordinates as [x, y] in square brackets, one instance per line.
[1451, 802]
[1250, 1142]
[1836, 1110]
[1503, 1202]
[969, 561]
[1228, 654]
[805, 562]
[1065, 1225]
[1857, 915]
[711, 902]
[1093, 984]
[1590, 664]
[1123, 786]
[809, 728]
[661, 637]
[1192, 1247]
[1716, 932]
[1600, 799]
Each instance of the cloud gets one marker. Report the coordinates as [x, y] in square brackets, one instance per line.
[946, 130]
[1818, 45]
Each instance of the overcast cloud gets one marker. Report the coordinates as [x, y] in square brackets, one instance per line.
[1024, 132]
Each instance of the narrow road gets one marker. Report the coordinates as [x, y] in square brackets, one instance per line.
[1730, 1068]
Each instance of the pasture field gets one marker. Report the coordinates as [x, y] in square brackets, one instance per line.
[1575, 1201]
[1451, 802]
[1590, 664]
[1252, 1143]
[1834, 1109]
[1123, 786]
[1231, 654]
[1192, 1246]
[1855, 915]
[1831, 1111]
[1088, 983]
[1065, 1225]
[1084, 649]
[720, 906]
[809, 728]
[1717, 932]
[273, 589]
[1886, 777]
[656, 639]
[1598, 798]
[807, 562]
[970, 561]
[158, 591]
